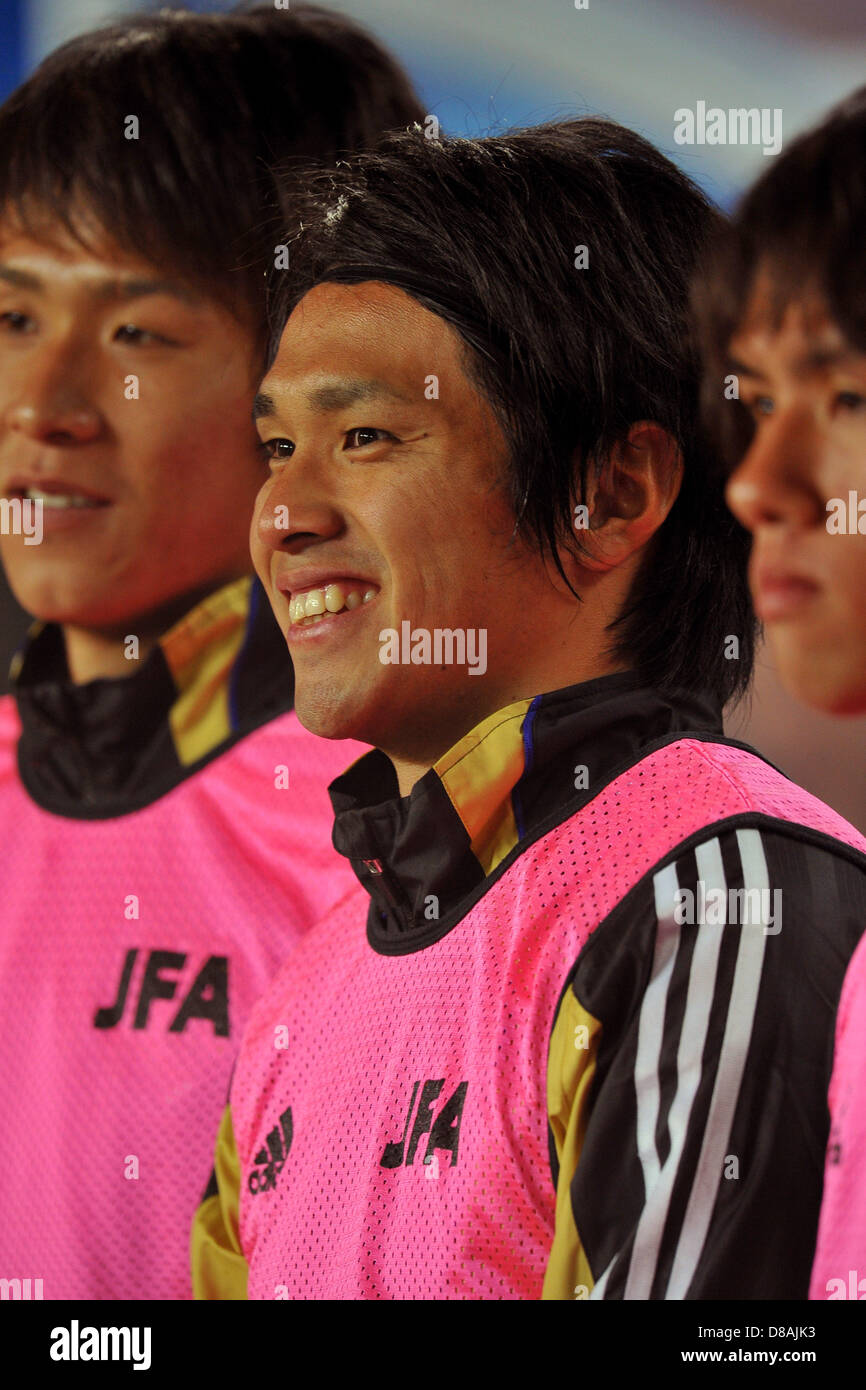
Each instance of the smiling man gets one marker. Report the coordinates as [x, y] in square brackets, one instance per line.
[163, 814]
[99, 350]
[383, 340]
[782, 308]
[577, 1007]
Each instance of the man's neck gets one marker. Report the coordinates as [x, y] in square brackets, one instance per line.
[94, 655]
[410, 768]
[119, 650]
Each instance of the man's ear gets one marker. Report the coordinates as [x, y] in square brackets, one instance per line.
[630, 498]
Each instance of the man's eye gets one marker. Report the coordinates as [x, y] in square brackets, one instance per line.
[364, 435]
[278, 448]
[15, 322]
[759, 405]
[851, 400]
[131, 333]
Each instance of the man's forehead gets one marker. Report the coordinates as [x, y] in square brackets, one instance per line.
[370, 317]
[39, 231]
[362, 296]
[45, 255]
[801, 333]
[349, 343]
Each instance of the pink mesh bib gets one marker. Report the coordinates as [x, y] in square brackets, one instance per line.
[131, 952]
[840, 1259]
[390, 1110]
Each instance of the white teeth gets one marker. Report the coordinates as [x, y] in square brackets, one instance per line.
[335, 599]
[312, 606]
[59, 501]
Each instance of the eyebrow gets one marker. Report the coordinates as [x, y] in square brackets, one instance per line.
[335, 395]
[743, 368]
[110, 289]
[813, 360]
[22, 279]
[263, 406]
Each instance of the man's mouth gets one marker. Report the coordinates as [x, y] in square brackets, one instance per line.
[61, 501]
[54, 494]
[310, 607]
[778, 592]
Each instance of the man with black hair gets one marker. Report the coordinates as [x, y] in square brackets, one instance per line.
[782, 312]
[576, 1009]
[163, 814]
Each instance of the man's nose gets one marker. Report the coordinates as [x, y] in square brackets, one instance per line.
[49, 396]
[773, 482]
[297, 507]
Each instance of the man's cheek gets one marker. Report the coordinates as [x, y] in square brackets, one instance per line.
[857, 591]
[268, 518]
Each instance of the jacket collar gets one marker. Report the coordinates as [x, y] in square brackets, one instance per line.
[111, 746]
[423, 858]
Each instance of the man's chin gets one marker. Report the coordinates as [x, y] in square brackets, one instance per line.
[330, 714]
[46, 606]
[828, 681]
[52, 596]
